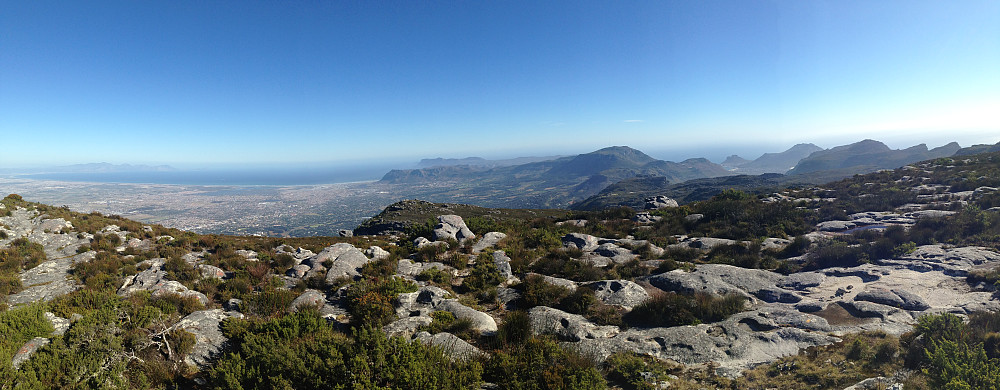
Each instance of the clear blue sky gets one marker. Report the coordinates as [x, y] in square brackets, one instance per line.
[307, 81]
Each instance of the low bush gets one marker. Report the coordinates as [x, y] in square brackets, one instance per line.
[302, 350]
[540, 363]
[672, 309]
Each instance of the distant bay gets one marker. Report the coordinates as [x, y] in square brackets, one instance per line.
[232, 176]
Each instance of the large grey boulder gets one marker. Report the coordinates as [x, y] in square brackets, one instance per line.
[411, 268]
[923, 214]
[346, 261]
[659, 202]
[566, 283]
[733, 344]
[60, 325]
[208, 338]
[376, 252]
[702, 243]
[584, 242]
[615, 252]
[624, 293]
[452, 227]
[481, 322]
[154, 279]
[502, 262]
[802, 280]
[421, 302]
[211, 272]
[646, 218]
[489, 239]
[835, 226]
[406, 327]
[456, 348]
[566, 326]
[310, 297]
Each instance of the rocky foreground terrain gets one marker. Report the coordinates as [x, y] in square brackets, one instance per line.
[714, 294]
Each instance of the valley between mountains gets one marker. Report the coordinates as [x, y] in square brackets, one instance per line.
[884, 279]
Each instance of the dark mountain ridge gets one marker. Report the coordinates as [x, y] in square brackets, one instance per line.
[868, 156]
[544, 184]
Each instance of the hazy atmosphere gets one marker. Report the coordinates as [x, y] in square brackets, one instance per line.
[502, 195]
[196, 84]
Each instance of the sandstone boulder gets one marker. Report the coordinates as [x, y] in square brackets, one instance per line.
[310, 297]
[489, 239]
[659, 202]
[624, 293]
[566, 326]
[456, 348]
[209, 340]
[452, 227]
[584, 242]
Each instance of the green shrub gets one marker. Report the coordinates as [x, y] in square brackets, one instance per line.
[268, 302]
[484, 275]
[21, 254]
[370, 301]
[542, 364]
[301, 350]
[175, 303]
[671, 309]
[836, 254]
[179, 270]
[536, 292]
[435, 275]
[283, 262]
[515, 329]
[639, 372]
[444, 321]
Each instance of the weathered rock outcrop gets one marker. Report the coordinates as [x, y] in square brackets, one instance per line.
[624, 293]
[489, 239]
[584, 242]
[208, 338]
[452, 227]
[566, 326]
[346, 261]
[452, 345]
[659, 202]
[154, 279]
[429, 299]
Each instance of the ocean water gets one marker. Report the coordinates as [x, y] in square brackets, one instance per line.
[285, 176]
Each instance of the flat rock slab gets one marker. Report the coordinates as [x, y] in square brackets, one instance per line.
[489, 239]
[208, 338]
[456, 348]
[48, 280]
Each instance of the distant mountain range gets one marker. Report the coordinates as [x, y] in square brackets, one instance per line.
[553, 183]
[868, 156]
[770, 162]
[819, 166]
[620, 175]
[976, 149]
[480, 162]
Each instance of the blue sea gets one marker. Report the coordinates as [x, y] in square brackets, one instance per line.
[284, 176]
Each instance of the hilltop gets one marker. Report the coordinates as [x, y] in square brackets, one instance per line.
[752, 291]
